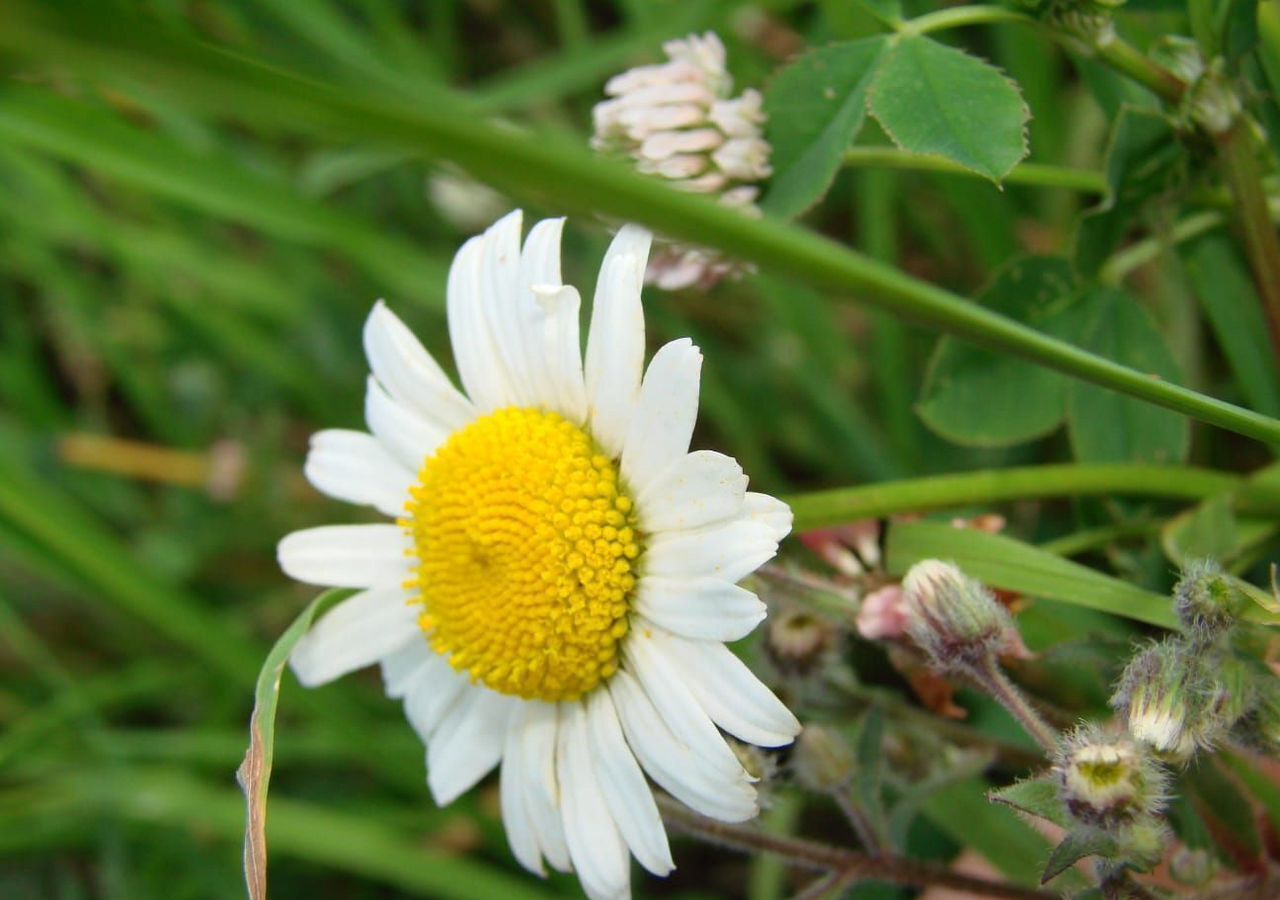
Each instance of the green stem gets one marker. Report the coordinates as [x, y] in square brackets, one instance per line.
[1082, 541]
[1142, 252]
[991, 678]
[557, 170]
[1245, 178]
[1037, 174]
[1129, 60]
[813, 855]
[822, 509]
[960, 16]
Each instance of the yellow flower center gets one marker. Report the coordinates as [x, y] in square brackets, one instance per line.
[526, 548]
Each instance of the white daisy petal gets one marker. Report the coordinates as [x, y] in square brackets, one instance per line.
[539, 270]
[674, 701]
[401, 668]
[615, 342]
[407, 436]
[731, 694]
[538, 733]
[355, 467]
[665, 411]
[358, 632]
[352, 556]
[728, 551]
[506, 306]
[707, 609]
[467, 744]
[432, 693]
[409, 373]
[479, 365]
[701, 488]
[626, 793]
[671, 764]
[769, 512]
[521, 831]
[596, 847]
[568, 392]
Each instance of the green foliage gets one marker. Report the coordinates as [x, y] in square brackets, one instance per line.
[935, 99]
[816, 108]
[973, 396]
[1104, 426]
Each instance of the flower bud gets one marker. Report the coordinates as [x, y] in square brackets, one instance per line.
[953, 618]
[1207, 602]
[1106, 781]
[883, 614]
[822, 760]
[798, 642]
[1192, 866]
[1157, 697]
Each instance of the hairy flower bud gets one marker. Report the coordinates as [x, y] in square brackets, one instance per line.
[953, 618]
[1161, 695]
[677, 121]
[1207, 602]
[822, 760]
[799, 642]
[1106, 781]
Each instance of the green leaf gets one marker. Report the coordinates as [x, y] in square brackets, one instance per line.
[254, 774]
[1002, 562]
[934, 99]
[1036, 797]
[1144, 160]
[975, 397]
[816, 107]
[1076, 846]
[1008, 842]
[1104, 426]
[1239, 31]
[1227, 295]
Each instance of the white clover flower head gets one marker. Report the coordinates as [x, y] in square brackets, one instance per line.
[554, 593]
[677, 121]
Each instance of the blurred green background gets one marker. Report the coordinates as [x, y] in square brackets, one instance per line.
[180, 307]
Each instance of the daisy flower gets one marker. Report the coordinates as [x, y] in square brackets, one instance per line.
[556, 589]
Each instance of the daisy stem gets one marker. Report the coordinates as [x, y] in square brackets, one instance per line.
[992, 679]
[850, 864]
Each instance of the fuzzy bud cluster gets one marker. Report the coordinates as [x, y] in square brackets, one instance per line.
[1108, 781]
[677, 120]
[1207, 602]
[1178, 697]
[953, 618]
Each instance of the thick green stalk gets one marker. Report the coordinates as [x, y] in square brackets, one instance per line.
[1243, 174]
[556, 171]
[823, 509]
